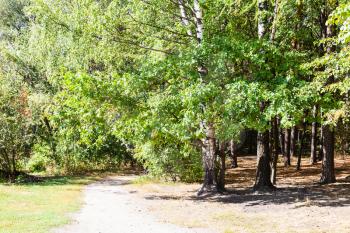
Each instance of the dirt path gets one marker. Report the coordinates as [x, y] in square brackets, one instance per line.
[299, 205]
[109, 208]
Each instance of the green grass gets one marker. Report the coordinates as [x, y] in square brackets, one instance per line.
[38, 207]
[146, 179]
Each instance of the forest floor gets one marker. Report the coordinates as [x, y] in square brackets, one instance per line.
[122, 204]
[299, 204]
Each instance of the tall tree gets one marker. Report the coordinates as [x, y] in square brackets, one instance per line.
[263, 171]
[328, 137]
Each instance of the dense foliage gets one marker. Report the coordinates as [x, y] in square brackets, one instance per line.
[91, 84]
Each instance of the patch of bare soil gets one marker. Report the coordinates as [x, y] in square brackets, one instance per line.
[110, 208]
[298, 205]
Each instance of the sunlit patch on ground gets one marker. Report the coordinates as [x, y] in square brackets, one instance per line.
[299, 204]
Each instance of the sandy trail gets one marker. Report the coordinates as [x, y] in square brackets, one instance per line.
[109, 208]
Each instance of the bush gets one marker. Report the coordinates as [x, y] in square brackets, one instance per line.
[171, 161]
[39, 161]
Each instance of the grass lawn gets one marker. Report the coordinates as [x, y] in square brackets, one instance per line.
[38, 207]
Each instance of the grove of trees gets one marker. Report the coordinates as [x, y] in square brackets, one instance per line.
[175, 86]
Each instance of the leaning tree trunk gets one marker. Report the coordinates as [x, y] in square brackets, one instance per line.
[313, 159]
[184, 18]
[8, 164]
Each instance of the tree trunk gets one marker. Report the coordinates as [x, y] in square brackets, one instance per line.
[274, 23]
[287, 148]
[222, 168]
[275, 150]
[328, 137]
[313, 159]
[293, 138]
[320, 153]
[281, 138]
[209, 158]
[328, 175]
[233, 154]
[263, 18]
[184, 18]
[271, 141]
[199, 20]
[252, 142]
[14, 168]
[302, 139]
[209, 143]
[263, 171]
[7, 164]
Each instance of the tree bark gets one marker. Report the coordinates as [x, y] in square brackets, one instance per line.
[287, 148]
[328, 175]
[252, 135]
[293, 138]
[313, 158]
[263, 171]
[262, 18]
[281, 138]
[302, 139]
[275, 150]
[209, 158]
[184, 17]
[328, 137]
[233, 154]
[222, 168]
[14, 167]
[199, 20]
[7, 162]
[320, 153]
[275, 15]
